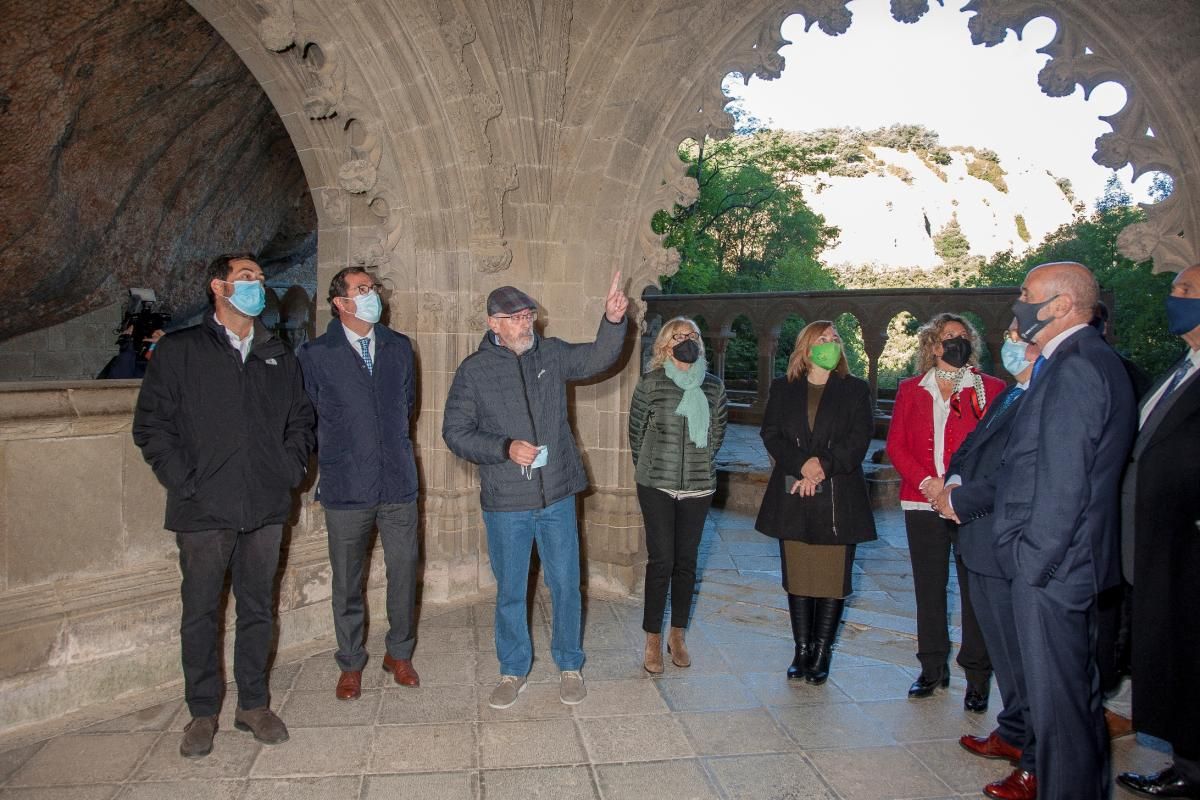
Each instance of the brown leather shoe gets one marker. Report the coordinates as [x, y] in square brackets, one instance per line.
[197, 739]
[1117, 725]
[991, 746]
[402, 671]
[349, 686]
[1019, 785]
[678, 648]
[263, 723]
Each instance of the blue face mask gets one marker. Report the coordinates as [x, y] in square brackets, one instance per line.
[248, 297]
[1012, 355]
[1183, 314]
[368, 307]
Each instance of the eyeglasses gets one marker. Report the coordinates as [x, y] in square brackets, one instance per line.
[683, 337]
[523, 317]
[365, 289]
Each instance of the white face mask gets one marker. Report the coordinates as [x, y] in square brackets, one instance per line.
[1012, 355]
[540, 461]
[368, 307]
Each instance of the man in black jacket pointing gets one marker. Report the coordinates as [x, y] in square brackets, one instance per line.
[223, 421]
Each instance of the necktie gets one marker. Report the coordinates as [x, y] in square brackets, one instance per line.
[1037, 367]
[365, 344]
[1009, 399]
[1177, 378]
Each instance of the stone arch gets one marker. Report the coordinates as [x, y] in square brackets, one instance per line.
[1154, 130]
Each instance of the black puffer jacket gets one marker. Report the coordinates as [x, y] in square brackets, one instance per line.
[498, 397]
[229, 440]
[664, 456]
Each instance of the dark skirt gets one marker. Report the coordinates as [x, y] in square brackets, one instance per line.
[816, 570]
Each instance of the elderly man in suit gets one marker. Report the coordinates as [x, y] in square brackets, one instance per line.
[1161, 549]
[968, 499]
[1055, 525]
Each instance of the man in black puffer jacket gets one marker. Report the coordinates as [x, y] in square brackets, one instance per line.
[223, 421]
[507, 412]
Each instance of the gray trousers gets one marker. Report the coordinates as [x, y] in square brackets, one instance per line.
[349, 537]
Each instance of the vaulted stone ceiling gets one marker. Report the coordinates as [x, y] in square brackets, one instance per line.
[135, 147]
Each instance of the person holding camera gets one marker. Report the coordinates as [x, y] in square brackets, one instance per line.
[817, 427]
[676, 426]
[141, 328]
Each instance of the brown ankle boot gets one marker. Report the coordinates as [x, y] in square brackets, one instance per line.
[677, 648]
[654, 660]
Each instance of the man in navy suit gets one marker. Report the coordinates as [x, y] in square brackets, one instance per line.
[1161, 549]
[1056, 524]
[968, 498]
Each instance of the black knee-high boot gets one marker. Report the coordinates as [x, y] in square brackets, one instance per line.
[825, 623]
[801, 609]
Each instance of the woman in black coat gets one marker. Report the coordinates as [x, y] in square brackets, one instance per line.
[817, 427]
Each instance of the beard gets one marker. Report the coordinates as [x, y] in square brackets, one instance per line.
[520, 345]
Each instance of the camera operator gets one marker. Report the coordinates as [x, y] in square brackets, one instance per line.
[140, 329]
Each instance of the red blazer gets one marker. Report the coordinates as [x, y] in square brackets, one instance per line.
[910, 436]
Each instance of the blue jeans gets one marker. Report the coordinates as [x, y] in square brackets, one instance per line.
[510, 536]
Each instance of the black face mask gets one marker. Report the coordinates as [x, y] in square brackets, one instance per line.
[956, 351]
[1028, 324]
[686, 351]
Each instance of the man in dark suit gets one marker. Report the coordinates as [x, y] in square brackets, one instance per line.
[1056, 524]
[968, 499]
[1161, 556]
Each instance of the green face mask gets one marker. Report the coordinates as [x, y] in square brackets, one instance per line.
[826, 355]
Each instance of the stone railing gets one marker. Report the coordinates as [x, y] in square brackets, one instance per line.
[873, 308]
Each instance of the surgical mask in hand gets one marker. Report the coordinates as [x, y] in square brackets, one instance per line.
[368, 307]
[538, 462]
[1012, 355]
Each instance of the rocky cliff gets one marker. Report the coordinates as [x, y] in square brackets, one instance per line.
[135, 147]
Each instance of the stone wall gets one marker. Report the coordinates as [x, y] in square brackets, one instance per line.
[89, 584]
[74, 350]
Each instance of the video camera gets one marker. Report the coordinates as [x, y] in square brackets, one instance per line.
[142, 318]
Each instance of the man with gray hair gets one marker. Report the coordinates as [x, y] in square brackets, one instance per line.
[507, 412]
[1055, 528]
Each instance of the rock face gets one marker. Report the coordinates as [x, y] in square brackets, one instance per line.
[136, 146]
[890, 216]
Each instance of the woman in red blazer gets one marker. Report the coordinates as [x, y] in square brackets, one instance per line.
[935, 410]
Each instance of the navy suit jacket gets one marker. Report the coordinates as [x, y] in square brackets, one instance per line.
[1057, 510]
[977, 461]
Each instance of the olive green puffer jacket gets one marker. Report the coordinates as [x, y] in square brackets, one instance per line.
[663, 454]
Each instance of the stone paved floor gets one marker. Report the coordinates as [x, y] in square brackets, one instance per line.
[728, 727]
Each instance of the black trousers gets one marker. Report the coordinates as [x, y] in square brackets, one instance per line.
[930, 541]
[204, 559]
[673, 531]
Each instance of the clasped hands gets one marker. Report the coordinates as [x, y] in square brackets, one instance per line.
[938, 494]
[811, 475]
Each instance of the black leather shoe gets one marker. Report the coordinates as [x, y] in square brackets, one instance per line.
[974, 701]
[1167, 783]
[923, 686]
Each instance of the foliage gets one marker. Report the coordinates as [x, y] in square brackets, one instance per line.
[1022, 228]
[950, 243]
[749, 228]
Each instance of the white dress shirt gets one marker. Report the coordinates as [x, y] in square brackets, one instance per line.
[241, 345]
[354, 337]
[941, 413]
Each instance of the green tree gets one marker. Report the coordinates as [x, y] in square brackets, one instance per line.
[749, 216]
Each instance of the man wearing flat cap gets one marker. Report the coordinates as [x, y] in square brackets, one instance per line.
[507, 412]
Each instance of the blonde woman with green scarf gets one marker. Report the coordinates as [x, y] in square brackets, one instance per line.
[676, 426]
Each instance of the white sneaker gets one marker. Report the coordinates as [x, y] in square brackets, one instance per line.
[570, 687]
[506, 691]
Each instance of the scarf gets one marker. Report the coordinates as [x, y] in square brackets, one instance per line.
[962, 379]
[694, 405]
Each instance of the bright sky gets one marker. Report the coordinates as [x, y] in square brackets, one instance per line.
[882, 72]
